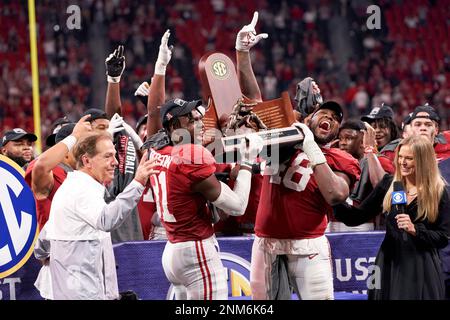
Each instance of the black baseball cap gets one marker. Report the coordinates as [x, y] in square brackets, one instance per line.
[142, 120]
[95, 114]
[64, 132]
[379, 113]
[332, 105]
[177, 107]
[57, 125]
[406, 120]
[17, 134]
[432, 114]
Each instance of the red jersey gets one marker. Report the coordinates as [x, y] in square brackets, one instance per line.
[386, 164]
[183, 212]
[389, 154]
[363, 187]
[43, 205]
[442, 148]
[247, 220]
[236, 225]
[291, 205]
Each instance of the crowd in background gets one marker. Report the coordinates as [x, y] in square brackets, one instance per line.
[404, 64]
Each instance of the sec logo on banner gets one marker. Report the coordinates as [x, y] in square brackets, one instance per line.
[18, 222]
[238, 277]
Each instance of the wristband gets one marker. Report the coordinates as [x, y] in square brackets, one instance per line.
[240, 47]
[247, 164]
[369, 149]
[160, 69]
[69, 141]
[113, 79]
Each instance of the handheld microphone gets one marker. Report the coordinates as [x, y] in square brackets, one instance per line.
[399, 201]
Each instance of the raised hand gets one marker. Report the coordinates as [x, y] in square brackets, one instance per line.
[142, 92]
[369, 141]
[315, 87]
[115, 124]
[115, 64]
[164, 55]
[82, 127]
[133, 135]
[247, 37]
[307, 96]
[143, 89]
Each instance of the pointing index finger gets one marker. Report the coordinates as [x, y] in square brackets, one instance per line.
[165, 37]
[255, 19]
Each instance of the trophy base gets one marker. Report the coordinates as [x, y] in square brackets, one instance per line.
[275, 137]
[273, 141]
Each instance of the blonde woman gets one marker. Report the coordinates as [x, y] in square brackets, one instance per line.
[408, 262]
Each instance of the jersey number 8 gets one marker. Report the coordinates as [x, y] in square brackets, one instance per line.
[295, 167]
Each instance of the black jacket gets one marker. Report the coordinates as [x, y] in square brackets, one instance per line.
[409, 267]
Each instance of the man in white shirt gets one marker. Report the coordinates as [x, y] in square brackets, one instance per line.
[82, 263]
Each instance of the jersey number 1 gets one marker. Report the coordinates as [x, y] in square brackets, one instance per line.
[159, 187]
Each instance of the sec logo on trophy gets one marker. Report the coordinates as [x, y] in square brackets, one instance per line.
[18, 221]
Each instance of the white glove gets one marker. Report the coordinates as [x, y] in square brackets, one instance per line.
[164, 55]
[310, 146]
[143, 89]
[133, 135]
[115, 124]
[250, 153]
[247, 37]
